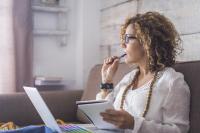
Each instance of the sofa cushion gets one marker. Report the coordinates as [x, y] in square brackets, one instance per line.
[191, 72]
[18, 108]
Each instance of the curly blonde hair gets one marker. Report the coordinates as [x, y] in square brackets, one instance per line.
[158, 36]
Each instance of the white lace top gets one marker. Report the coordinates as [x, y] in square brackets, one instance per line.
[169, 106]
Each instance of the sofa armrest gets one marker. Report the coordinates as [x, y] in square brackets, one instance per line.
[18, 108]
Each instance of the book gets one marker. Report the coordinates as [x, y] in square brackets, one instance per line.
[56, 81]
[44, 78]
[92, 109]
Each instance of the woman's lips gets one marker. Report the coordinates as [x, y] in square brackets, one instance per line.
[122, 56]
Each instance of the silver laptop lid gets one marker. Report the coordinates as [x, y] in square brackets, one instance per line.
[42, 108]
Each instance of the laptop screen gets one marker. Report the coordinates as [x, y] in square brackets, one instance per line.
[42, 108]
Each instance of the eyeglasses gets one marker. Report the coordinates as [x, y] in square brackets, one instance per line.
[128, 37]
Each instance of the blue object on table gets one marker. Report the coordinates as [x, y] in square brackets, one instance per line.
[30, 129]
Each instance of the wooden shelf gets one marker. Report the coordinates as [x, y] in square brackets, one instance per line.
[50, 9]
[51, 32]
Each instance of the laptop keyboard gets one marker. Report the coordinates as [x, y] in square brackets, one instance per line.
[70, 128]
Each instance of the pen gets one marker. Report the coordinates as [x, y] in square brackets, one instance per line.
[120, 57]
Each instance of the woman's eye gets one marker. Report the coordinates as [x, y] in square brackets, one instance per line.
[128, 38]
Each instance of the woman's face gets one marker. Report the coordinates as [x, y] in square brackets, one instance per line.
[132, 47]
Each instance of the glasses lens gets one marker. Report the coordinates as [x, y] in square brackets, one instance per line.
[128, 37]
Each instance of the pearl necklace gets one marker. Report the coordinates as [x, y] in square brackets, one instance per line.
[148, 95]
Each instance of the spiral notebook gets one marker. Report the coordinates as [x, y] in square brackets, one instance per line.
[92, 109]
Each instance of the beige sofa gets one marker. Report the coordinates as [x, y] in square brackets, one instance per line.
[18, 108]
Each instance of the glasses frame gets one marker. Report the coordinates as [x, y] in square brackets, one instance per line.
[128, 37]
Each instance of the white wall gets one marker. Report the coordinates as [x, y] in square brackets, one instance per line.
[185, 16]
[50, 57]
[88, 38]
[183, 13]
[73, 61]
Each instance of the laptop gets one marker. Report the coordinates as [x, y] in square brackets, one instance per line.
[47, 116]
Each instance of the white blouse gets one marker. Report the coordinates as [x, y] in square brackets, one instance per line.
[169, 106]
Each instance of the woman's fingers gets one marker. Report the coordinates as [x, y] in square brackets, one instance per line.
[104, 61]
[115, 63]
[109, 68]
[120, 118]
[109, 117]
[113, 118]
[110, 60]
[111, 114]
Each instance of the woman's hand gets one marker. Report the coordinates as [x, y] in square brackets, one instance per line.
[120, 118]
[109, 69]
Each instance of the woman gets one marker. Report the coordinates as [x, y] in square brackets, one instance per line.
[152, 98]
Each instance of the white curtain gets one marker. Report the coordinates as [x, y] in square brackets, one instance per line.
[7, 50]
[15, 45]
